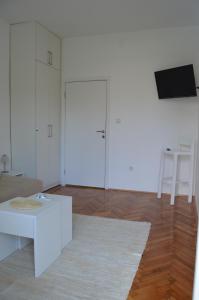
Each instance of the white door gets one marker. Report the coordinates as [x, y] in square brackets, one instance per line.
[85, 133]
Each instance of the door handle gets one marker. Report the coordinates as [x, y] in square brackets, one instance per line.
[102, 131]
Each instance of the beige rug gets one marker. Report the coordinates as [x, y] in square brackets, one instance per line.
[99, 264]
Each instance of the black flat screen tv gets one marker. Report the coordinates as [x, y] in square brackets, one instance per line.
[176, 82]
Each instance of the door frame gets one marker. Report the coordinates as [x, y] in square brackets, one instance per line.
[64, 124]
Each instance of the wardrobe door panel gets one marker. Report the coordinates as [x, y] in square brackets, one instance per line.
[42, 124]
[54, 120]
[48, 47]
[55, 48]
[42, 41]
[22, 60]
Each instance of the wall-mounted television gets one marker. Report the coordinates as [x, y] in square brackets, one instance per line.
[176, 82]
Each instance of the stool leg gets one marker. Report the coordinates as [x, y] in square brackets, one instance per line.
[161, 175]
[173, 185]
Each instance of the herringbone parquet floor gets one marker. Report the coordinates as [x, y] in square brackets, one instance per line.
[167, 267]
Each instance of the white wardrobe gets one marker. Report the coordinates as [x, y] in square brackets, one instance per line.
[35, 102]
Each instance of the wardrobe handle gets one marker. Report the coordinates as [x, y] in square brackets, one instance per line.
[50, 58]
[49, 130]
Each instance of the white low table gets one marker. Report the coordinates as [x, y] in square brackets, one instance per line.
[50, 226]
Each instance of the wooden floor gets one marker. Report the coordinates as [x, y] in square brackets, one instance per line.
[167, 267]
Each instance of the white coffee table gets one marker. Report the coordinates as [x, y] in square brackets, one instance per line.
[50, 226]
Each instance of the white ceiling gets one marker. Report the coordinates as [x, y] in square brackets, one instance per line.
[87, 17]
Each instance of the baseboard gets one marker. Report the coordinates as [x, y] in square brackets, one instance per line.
[116, 189]
[83, 187]
[133, 191]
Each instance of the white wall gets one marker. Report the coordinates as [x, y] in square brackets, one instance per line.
[4, 90]
[147, 123]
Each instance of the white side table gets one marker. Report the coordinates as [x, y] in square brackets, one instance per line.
[50, 226]
[175, 154]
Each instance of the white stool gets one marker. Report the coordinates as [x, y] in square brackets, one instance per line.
[176, 154]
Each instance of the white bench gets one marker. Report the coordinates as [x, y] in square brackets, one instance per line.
[50, 226]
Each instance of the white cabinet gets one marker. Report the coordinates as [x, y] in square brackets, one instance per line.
[35, 103]
[48, 47]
